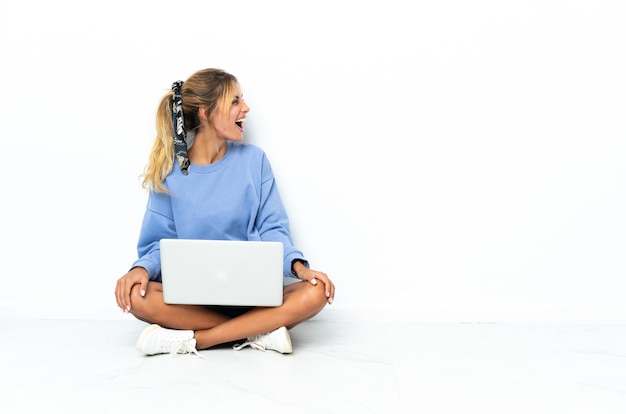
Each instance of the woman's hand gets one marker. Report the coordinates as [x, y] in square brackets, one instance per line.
[136, 276]
[312, 276]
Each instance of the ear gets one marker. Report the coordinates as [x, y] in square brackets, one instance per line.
[202, 113]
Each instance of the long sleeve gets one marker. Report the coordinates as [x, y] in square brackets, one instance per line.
[158, 223]
[272, 220]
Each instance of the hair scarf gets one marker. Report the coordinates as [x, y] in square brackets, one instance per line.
[178, 124]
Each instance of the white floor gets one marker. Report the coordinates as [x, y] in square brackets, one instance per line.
[342, 363]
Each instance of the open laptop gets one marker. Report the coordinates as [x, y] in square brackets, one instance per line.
[222, 272]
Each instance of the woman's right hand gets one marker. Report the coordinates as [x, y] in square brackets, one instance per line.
[136, 276]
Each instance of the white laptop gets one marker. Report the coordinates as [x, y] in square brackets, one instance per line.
[222, 272]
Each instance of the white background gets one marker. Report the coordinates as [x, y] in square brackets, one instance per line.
[450, 159]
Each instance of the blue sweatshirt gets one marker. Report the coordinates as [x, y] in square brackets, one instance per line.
[235, 198]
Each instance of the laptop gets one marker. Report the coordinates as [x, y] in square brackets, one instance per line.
[222, 272]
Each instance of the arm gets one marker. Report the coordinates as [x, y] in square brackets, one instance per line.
[157, 224]
[272, 221]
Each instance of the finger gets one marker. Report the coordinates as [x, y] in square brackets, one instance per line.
[117, 294]
[120, 297]
[143, 286]
[330, 290]
[125, 296]
[120, 294]
[327, 284]
[313, 281]
[330, 297]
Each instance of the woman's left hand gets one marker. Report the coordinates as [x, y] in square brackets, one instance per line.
[313, 276]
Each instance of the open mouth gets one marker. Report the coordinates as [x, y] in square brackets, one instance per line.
[239, 123]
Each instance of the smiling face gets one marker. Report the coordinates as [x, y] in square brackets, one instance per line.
[228, 118]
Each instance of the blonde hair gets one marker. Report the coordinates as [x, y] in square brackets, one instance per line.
[208, 88]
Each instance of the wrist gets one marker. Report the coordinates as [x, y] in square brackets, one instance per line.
[140, 269]
[297, 266]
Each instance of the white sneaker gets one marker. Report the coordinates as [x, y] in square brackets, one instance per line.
[157, 340]
[277, 340]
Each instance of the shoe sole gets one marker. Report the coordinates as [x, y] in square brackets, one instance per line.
[147, 331]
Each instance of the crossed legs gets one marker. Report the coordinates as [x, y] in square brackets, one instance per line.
[301, 301]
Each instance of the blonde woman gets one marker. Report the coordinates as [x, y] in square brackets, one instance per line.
[204, 182]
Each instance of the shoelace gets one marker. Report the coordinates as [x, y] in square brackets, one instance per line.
[253, 342]
[184, 347]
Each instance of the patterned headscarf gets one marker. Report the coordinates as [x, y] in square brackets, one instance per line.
[180, 135]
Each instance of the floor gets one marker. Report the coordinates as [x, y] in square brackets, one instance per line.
[342, 363]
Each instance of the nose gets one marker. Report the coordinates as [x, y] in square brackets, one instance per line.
[245, 108]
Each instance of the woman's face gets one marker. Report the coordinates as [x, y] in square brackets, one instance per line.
[228, 122]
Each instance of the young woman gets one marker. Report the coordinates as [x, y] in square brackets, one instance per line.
[205, 183]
